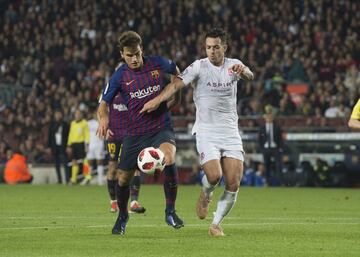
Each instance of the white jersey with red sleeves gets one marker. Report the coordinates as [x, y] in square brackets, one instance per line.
[214, 96]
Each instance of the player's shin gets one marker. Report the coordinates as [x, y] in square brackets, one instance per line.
[208, 188]
[224, 206]
[122, 195]
[111, 184]
[135, 188]
[170, 186]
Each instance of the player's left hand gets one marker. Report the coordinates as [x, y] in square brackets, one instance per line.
[238, 68]
[150, 106]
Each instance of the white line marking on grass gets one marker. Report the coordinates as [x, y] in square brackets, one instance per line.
[186, 225]
[158, 217]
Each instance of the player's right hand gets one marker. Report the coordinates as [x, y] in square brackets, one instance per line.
[109, 134]
[150, 106]
[103, 128]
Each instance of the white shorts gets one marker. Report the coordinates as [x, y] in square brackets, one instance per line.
[210, 148]
[96, 153]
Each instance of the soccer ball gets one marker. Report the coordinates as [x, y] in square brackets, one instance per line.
[150, 160]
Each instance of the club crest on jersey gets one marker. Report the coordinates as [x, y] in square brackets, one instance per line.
[155, 74]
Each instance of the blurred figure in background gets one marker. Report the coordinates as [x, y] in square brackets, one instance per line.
[16, 170]
[78, 143]
[271, 145]
[57, 140]
[354, 121]
[96, 152]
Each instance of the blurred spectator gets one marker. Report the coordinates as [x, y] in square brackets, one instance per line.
[57, 140]
[16, 170]
[77, 145]
[260, 176]
[271, 145]
[322, 173]
[354, 121]
[68, 49]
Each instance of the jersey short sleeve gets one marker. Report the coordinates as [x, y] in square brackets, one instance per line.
[111, 88]
[168, 66]
[191, 73]
[356, 111]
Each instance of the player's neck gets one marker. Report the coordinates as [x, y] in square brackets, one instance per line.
[218, 64]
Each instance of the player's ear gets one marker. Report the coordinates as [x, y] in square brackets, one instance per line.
[225, 47]
[122, 54]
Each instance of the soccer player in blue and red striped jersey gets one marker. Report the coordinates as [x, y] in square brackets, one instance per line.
[139, 80]
[118, 116]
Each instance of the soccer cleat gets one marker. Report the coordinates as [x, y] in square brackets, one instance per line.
[202, 206]
[216, 230]
[173, 220]
[135, 207]
[114, 207]
[120, 225]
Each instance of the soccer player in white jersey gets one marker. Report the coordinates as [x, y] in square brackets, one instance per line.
[96, 150]
[218, 141]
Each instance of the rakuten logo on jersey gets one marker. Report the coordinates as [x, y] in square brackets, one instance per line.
[120, 107]
[141, 93]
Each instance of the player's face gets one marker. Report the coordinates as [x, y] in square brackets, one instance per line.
[133, 57]
[215, 50]
[78, 115]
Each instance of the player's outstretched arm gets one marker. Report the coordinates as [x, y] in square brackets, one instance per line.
[243, 71]
[354, 124]
[176, 98]
[103, 116]
[168, 91]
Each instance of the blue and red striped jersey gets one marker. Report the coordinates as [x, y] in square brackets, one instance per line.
[118, 115]
[138, 87]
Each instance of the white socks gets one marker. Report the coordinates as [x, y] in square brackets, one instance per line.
[224, 205]
[100, 171]
[207, 188]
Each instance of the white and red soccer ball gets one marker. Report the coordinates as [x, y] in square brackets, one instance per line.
[151, 160]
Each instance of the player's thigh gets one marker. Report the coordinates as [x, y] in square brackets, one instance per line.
[165, 140]
[131, 147]
[232, 172]
[112, 167]
[213, 171]
[169, 151]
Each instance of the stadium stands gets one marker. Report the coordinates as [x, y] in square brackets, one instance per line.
[59, 54]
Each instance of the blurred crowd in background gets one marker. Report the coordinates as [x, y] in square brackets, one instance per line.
[58, 54]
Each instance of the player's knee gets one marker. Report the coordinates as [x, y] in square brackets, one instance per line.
[169, 157]
[124, 177]
[232, 186]
[112, 170]
[214, 179]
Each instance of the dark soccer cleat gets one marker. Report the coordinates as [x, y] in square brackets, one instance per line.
[173, 220]
[120, 225]
[135, 207]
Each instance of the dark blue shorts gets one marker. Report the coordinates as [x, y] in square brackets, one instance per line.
[132, 146]
[114, 149]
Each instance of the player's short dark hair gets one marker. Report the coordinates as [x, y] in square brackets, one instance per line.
[217, 32]
[129, 39]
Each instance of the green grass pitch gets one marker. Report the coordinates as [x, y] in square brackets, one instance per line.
[47, 221]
